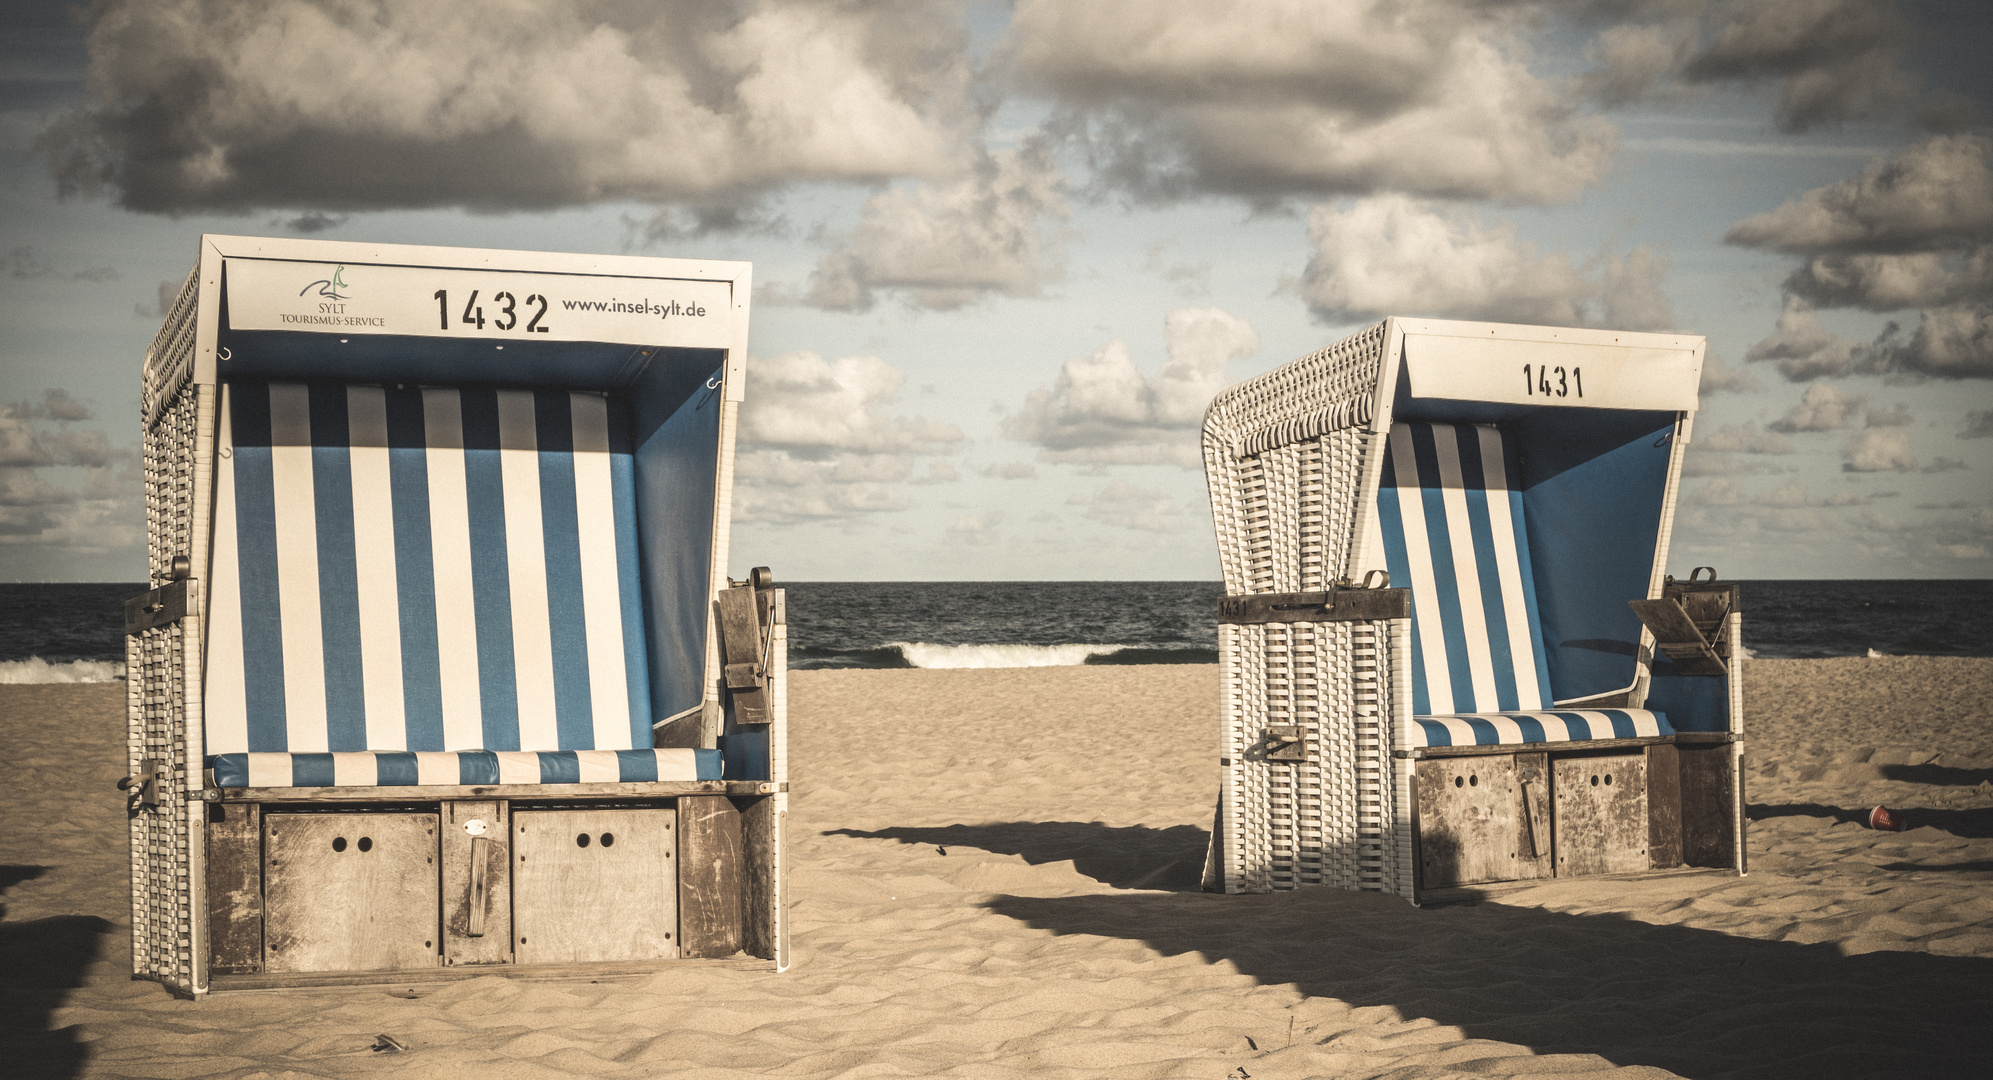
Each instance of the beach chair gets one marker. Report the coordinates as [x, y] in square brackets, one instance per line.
[439, 674]
[1444, 550]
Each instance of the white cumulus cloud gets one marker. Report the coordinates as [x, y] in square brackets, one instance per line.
[1102, 410]
[816, 440]
[1264, 99]
[202, 105]
[1390, 254]
[940, 245]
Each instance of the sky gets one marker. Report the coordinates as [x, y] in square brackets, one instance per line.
[1005, 253]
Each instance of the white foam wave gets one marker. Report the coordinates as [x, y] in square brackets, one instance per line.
[37, 670]
[923, 655]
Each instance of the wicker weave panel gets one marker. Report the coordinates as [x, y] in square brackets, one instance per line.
[162, 687]
[1285, 456]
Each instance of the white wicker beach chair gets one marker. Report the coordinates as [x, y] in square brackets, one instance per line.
[430, 681]
[1494, 709]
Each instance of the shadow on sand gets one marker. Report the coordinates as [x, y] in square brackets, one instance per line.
[40, 962]
[1126, 857]
[1974, 823]
[1697, 1002]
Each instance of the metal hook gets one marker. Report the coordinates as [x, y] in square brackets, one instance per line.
[224, 355]
[713, 383]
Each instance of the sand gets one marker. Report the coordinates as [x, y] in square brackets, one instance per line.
[990, 879]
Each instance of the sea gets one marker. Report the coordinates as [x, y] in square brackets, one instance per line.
[73, 632]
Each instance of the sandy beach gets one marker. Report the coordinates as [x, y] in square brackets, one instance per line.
[994, 875]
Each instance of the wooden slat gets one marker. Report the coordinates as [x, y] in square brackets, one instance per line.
[711, 878]
[1707, 818]
[235, 889]
[1664, 806]
[1601, 814]
[761, 850]
[602, 972]
[594, 885]
[1468, 820]
[1535, 851]
[349, 891]
[1676, 635]
[740, 644]
[158, 607]
[1338, 605]
[477, 922]
[662, 789]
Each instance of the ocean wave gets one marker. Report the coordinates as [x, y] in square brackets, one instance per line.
[37, 670]
[920, 654]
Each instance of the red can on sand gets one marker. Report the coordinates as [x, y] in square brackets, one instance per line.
[1883, 819]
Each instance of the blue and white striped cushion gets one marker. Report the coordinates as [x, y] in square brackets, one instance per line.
[1495, 729]
[423, 570]
[390, 769]
[1449, 510]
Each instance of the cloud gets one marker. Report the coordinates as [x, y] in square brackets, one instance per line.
[1897, 416]
[938, 472]
[816, 441]
[1393, 255]
[1878, 450]
[1740, 439]
[1011, 470]
[1267, 99]
[1953, 342]
[1101, 410]
[733, 213]
[1190, 279]
[312, 221]
[943, 245]
[1126, 506]
[1978, 425]
[167, 292]
[1945, 464]
[1822, 408]
[978, 529]
[223, 105]
[1804, 350]
[1719, 376]
[93, 505]
[1833, 60]
[1893, 282]
[1933, 196]
[27, 263]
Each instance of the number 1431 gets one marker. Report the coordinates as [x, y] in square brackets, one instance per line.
[1552, 381]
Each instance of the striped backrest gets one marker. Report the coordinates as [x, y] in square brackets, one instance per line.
[1449, 510]
[423, 569]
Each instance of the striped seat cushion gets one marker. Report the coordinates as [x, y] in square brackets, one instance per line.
[1450, 515]
[408, 569]
[401, 769]
[1496, 729]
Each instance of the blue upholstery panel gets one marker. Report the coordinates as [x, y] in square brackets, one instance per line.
[1497, 729]
[1450, 512]
[409, 569]
[392, 769]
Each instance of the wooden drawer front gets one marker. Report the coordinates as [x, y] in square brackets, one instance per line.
[1601, 814]
[349, 891]
[1469, 820]
[594, 885]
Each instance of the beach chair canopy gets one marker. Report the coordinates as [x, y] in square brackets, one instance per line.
[1524, 496]
[476, 551]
